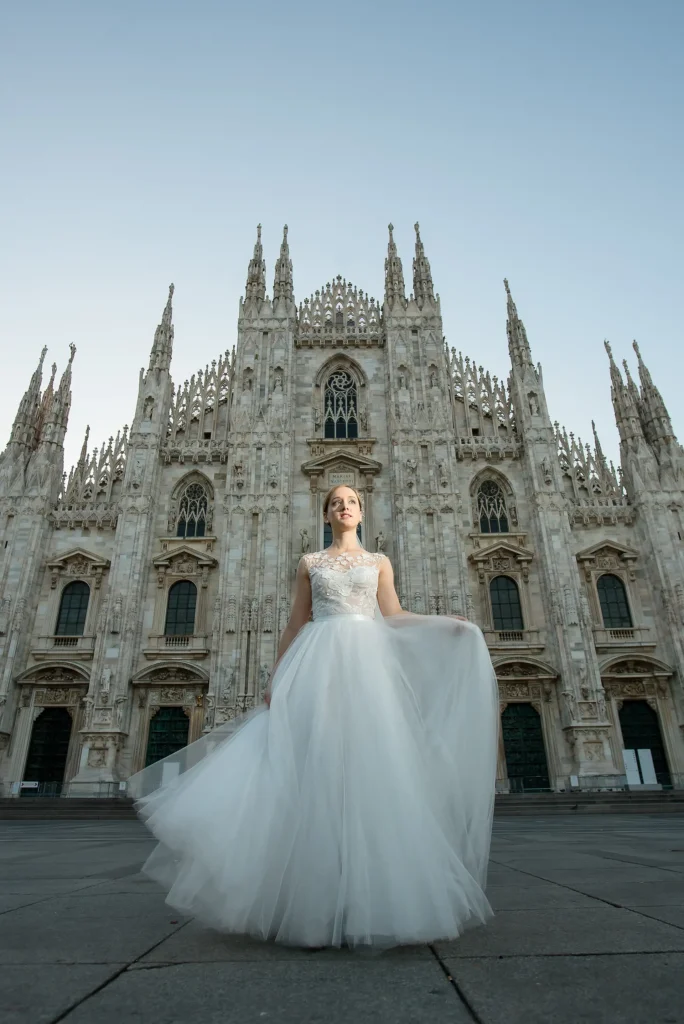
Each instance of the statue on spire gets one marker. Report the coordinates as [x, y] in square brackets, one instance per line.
[655, 416]
[518, 345]
[394, 273]
[423, 288]
[282, 284]
[256, 272]
[162, 347]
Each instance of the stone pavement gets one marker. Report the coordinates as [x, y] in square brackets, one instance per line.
[590, 928]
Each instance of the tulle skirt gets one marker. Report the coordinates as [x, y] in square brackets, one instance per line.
[358, 809]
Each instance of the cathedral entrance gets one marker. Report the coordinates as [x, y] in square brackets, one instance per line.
[523, 741]
[47, 753]
[168, 733]
[641, 731]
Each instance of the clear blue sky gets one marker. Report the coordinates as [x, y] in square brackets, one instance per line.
[142, 142]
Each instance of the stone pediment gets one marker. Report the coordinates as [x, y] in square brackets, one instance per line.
[184, 559]
[609, 551]
[342, 459]
[502, 551]
[79, 564]
[78, 557]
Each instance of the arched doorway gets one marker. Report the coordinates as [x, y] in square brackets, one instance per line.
[641, 730]
[168, 733]
[523, 741]
[47, 753]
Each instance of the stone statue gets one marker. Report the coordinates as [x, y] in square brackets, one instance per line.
[117, 611]
[380, 542]
[306, 543]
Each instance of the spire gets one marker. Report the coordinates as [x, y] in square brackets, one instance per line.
[625, 401]
[256, 272]
[56, 404]
[600, 457]
[655, 417]
[518, 345]
[26, 421]
[394, 274]
[83, 458]
[422, 277]
[162, 348]
[282, 284]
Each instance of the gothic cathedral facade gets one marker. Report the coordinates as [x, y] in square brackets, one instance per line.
[142, 596]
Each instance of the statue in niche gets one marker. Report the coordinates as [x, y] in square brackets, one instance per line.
[117, 611]
[306, 543]
[239, 471]
[264, 676]
[149, 408]
[363, 420]
[277, 408]
[411, 469]
[534, 404]
[273, 474]
[317, 418]
[546, 470]
[105, 682]
[380, 543]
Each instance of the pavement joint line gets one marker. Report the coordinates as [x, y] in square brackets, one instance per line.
[463, 999]
[117, 974]
[599, 899]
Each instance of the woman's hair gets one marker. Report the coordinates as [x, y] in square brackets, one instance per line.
[326, 500]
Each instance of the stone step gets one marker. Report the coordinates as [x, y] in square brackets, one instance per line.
[79, 808]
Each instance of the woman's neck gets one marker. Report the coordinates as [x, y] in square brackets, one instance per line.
[347, 542]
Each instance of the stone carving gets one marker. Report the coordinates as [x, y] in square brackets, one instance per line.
[105, 681]
[231, 616]
[306, 543]
[117, 612]
[380, 542]
[5, 606]
[268, 614]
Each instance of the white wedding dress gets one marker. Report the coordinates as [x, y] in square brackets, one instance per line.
[358, 809]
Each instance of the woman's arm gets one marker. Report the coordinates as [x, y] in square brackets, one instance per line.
[299, 616]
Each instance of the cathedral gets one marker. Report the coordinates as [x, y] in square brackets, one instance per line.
[142, 595]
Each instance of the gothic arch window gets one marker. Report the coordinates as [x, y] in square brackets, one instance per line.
[506, 607]
[492, 511]
[613, 599]
[341, 406]
[73, 609]
[180, 609]
[192, 511]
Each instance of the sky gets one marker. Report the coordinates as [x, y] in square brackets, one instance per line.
[141, 143]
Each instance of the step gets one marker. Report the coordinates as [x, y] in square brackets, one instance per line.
[80, 808]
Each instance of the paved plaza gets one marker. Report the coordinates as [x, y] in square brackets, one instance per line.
[589, 928]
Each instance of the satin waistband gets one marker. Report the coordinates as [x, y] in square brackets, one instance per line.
[356, 616]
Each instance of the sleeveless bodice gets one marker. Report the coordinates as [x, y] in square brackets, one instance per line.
[343, 584]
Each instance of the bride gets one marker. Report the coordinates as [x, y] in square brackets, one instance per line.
[355, 806]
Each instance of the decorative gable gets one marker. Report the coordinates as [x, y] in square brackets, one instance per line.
[607, 556]
[182, 562]
[502, 557]
[78, 564]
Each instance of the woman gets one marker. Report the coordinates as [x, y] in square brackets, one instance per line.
[356, 807]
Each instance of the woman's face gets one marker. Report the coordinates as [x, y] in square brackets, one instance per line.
[344, 511]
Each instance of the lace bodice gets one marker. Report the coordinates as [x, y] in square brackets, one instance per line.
[344, 584]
